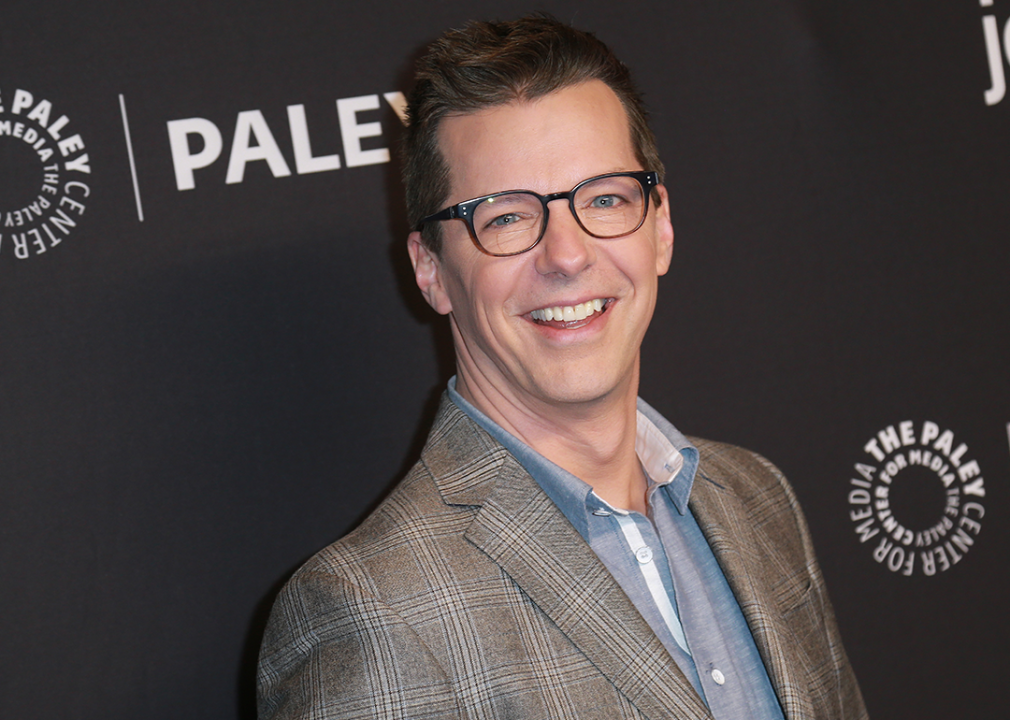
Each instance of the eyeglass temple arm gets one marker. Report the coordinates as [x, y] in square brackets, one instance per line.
[449, 213]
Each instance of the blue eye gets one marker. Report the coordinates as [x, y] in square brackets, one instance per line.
[607, 202]
[503, 220]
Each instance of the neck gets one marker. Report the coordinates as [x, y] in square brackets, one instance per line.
[594, 440]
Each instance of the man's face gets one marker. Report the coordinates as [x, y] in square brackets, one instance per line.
[504, 353]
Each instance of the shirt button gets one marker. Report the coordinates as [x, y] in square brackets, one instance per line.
[718, 677]
[644, 555]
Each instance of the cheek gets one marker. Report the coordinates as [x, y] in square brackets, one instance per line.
[494, 282]
[490, 300]
[655, 258]
[638, 264]
[467, 285]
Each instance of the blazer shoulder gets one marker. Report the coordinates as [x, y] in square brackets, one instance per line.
[412, 515]
[392, 552]
[334, 648]
[347, 631]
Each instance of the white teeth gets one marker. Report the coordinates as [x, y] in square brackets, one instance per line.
[569, 313]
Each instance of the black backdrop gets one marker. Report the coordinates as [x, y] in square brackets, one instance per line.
[193, 402]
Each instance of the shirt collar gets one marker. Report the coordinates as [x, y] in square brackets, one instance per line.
[669, 459]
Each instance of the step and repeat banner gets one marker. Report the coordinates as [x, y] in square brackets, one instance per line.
[213, 360]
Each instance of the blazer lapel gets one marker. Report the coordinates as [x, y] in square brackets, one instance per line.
[525, 533]
[522, 530]
[727, 522]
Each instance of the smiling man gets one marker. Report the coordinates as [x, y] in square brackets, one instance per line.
[560, 549]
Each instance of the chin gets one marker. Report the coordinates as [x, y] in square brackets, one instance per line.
[576, 390]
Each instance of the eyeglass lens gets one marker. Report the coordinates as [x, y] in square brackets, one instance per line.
[605, 207]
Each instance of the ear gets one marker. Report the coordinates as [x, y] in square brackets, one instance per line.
[428, 274]
[664, 233]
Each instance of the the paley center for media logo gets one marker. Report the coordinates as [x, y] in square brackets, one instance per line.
[916, 498]
[46, 174]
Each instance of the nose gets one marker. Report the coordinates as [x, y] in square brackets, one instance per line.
[565, 249]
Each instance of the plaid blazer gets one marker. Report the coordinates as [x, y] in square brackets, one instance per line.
[468, 594]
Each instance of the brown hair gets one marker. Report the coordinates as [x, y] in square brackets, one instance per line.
[494, 63]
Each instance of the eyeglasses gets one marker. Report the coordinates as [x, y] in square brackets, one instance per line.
[514, 221]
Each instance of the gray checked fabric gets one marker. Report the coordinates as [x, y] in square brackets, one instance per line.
[467, 594]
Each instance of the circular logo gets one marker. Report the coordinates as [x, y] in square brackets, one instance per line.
[45, 166]
[916, 498]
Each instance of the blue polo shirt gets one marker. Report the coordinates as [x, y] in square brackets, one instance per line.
[663, 563]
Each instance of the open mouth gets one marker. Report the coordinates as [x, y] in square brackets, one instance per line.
[567, 316]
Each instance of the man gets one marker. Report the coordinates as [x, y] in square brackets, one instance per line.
[559, 550]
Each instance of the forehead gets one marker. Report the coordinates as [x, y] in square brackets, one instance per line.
[548, 144]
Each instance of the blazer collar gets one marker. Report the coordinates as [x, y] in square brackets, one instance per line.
[523, 531]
